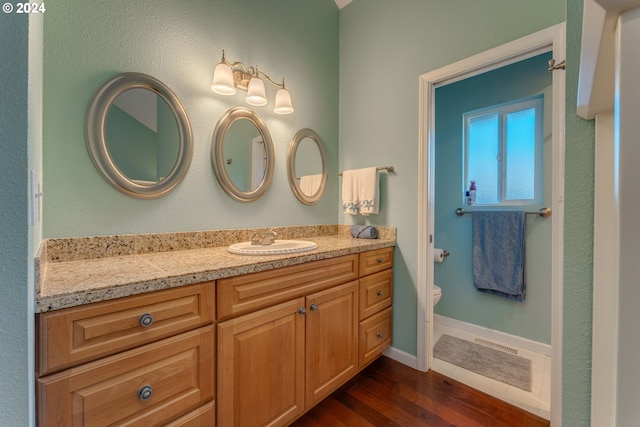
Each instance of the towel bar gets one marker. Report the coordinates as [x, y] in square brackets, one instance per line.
[389, 169]
[543, 212]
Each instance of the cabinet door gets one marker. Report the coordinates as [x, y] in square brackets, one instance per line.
[332, 337]
[261, 366]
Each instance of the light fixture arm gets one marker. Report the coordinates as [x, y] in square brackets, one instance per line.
[234, 64]
[250, 71]
[280, 85]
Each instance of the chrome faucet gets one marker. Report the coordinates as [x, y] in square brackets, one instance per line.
[264, 238]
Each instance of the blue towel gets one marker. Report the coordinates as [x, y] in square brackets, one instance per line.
[364, 231]
[499, 252]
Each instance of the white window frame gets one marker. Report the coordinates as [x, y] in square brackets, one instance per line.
[502, 110]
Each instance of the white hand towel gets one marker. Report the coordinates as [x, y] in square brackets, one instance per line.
[310, 184]
[350, 192]
[368, 191]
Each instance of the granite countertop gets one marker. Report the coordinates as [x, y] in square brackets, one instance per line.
[76, 282]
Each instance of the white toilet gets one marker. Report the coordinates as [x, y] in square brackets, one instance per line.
[437, 294]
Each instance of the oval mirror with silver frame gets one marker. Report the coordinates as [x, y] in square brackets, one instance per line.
[307, 166]
[138, 135]
[242, 154]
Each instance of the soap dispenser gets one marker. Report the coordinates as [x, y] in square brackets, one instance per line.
[472, 193]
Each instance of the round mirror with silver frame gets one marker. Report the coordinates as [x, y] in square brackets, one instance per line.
[242, 154]
[151, 108]
[307, 166]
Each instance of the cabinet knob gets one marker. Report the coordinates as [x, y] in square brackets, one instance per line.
[302, 310]
[313, 307]
[145, 393]
[380, 293]
[145, 320]
[379, 334]
[380, 260]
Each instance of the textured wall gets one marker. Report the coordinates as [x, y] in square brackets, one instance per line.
[383, 51]
[180, 43]
[578, 239]
[14, 233]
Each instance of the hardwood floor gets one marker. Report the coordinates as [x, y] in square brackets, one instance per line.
[388, 393]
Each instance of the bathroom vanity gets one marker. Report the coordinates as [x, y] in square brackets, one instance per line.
[259, 342]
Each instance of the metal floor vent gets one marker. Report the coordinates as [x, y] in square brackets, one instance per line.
[495, 345]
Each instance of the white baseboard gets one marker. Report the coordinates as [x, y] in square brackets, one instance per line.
[401, 356]
[491, 334]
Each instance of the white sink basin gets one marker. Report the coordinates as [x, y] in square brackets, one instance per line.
[278, 247]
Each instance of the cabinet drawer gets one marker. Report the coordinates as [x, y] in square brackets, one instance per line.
[374, 261]
[242, 294]
[204, 416]
[375, 293]
[80, 334]
[375, 336]
[145, 386]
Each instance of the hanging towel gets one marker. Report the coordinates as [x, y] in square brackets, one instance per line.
[368, 191]
[309, 184]
[499, 252]
[350, 192]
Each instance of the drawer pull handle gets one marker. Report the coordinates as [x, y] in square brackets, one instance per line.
[380, 260]
[379, 334]
[380, 293]
[302, 310]
[145, 320]
[313, 307]
[145, 393]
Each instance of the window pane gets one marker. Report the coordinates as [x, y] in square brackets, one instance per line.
[482, 161]
[520, 155]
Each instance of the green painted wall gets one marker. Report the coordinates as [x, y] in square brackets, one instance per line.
[578, 239]
[180, 43]
[460, 300]
[19, 135]
[384, 49]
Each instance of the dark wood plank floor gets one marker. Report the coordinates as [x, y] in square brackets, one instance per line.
[388, 393]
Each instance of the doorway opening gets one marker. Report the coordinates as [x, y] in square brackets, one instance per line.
[549, 41]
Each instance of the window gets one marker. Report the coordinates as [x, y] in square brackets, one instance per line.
[503, 153]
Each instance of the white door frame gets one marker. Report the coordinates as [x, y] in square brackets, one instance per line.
[550, 39]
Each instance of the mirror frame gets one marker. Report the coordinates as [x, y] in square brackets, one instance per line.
[95, 126]
[291, 166]
[217, 154]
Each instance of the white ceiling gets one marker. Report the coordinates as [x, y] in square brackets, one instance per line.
[342, 3]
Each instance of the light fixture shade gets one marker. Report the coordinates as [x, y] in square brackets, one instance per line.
[223, 80]
[283, 102]
[255, 92]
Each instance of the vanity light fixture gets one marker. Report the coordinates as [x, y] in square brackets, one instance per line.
[228, 76]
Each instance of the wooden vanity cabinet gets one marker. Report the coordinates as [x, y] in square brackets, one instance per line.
[275, 363]
[290, 337]
[276, 343]
[142, 360]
